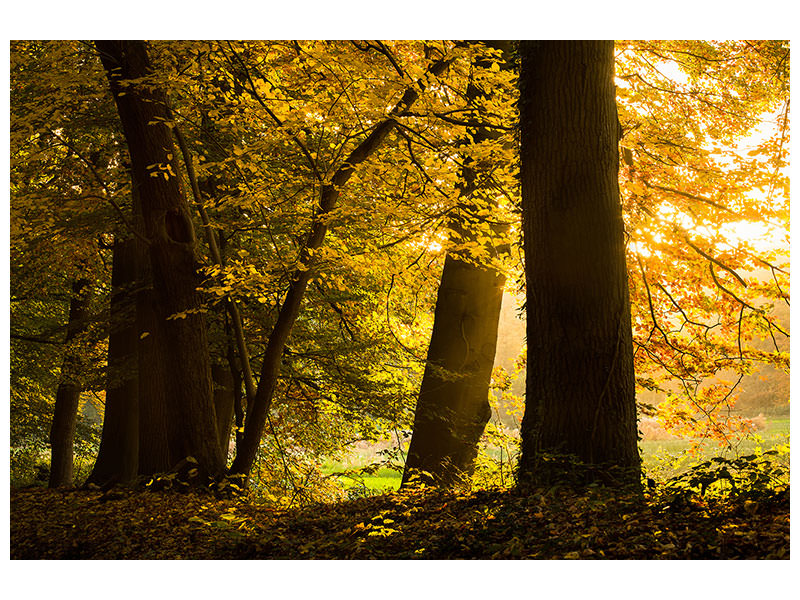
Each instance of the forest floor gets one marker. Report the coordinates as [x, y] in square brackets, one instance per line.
[548, 523]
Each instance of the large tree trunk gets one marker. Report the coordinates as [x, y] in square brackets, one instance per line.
[118, 457]
[453, 405]
[154, 448]
[191, 424]
[65, 414]
[580, 398]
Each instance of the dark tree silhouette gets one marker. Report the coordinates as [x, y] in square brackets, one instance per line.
[190, 425]
[580, 398]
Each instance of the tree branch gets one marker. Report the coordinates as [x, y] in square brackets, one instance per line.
[713, 260]
[690, 196]
[254, 92]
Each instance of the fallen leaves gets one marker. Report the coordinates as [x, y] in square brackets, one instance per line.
[540, 524]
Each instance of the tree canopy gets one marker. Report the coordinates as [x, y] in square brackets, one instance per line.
[323, 180]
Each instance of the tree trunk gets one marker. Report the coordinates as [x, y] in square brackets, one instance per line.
[154, 448]
[65, 414]
[238, 405]
[580, 398]
[453, 405]
[191, 424]
[224, 395]
[118, 457]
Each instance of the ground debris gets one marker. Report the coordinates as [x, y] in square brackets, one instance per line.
[499, 524]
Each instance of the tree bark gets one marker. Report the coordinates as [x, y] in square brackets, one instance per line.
[118, 456]
[224, 396]
[580, 399]
[191, 424]
[290, 309]
[65, 414]
[453, 405]
[154, 448]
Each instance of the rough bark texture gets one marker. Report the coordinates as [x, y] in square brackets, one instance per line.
[580, 389]
[154, 449]
[118, 456]
[65, 414]
[290, 309]
[191, 424]
[453, 405]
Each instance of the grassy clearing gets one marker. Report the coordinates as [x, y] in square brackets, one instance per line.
[669, 457]
[351, 474]
[662, 458]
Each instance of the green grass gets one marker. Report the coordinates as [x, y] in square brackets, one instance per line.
[658, 457]
[669, 457]
[381, 480]
[774, 433]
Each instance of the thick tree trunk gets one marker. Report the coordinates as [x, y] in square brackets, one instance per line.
[135, 439]
[580, 397]
[154, 448]
[290, 309]
[191, 424]
[118, 457]
[65, 414]
[453, 405]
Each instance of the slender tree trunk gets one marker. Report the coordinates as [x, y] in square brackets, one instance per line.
[65, 415]
[580, 388]
[227, 385]
[216, 254]
[238, 405]
[290, 309]
[118, 457]
[453, 405]
[224, 394]
[191, 423]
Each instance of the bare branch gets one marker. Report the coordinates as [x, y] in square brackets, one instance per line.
[690, 196]
[714, 260]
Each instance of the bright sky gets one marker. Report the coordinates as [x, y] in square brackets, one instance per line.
[763, 236]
